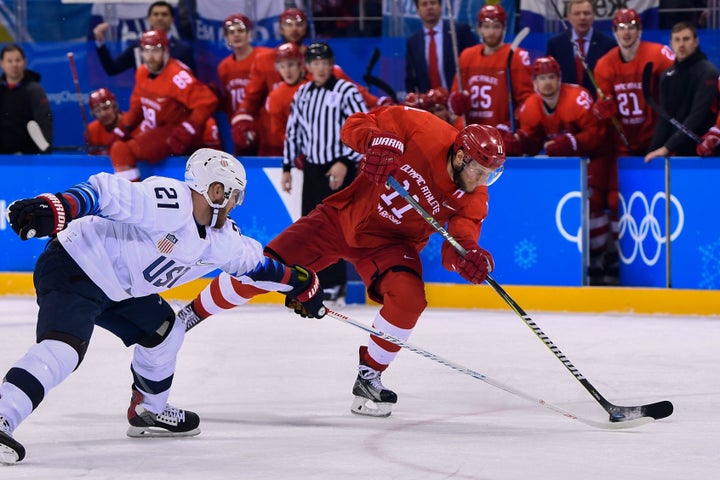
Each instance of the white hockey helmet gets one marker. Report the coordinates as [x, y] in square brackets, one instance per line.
[207, 166]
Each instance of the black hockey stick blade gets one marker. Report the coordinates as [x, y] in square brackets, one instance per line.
[650, 100]
[653, 410]
[382, 85]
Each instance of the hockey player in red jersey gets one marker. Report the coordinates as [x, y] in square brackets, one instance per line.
[483, 95]
[234, 74]
[169, 106]
[619, 76]
[559, 119]
[290, 63]
[710, 142]
[373, 228]
[248, 120]
[99, 134]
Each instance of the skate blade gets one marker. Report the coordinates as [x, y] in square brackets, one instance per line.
[365, 406]
[157, 432]
[8, 456]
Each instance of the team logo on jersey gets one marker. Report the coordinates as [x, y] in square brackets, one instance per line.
[167, 244]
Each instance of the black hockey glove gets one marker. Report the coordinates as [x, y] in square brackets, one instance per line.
[306, 298]
[44, 215]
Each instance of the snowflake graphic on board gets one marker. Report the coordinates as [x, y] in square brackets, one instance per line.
[710, 258]
[260, 234]
[525, 254]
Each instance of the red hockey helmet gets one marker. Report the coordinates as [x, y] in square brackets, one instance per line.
[545, 65]
[483, 144]
[492, 13]
[288, 51]
[293, 15]
[100, 97]
[155, 38]
[417, 100]
[438, 96]
[627, 16]
[237, 19]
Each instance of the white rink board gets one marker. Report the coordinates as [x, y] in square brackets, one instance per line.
[273, 393]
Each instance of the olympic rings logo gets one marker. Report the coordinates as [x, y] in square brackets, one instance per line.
[649, 225]
[638, 232]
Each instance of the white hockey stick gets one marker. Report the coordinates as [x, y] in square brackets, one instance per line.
[482, 377]
[33, 129]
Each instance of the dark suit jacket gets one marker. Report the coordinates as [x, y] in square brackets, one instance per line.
[417, 78]
[560, 47]
[126, 60]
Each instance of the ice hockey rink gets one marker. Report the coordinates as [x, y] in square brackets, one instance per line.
[273, 393]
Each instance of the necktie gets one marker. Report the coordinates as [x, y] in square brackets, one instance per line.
[433, 62]
[578, 62]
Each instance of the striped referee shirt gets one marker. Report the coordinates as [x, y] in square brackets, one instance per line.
[316, 116]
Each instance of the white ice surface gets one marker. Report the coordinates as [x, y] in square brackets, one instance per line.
[273, 394]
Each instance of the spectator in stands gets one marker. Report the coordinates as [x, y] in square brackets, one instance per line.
[170, 108]
[688, 92]
[160, 17]
[99, 134]
[582, 37]
[429, 55]
[22, 100]
[234, 74]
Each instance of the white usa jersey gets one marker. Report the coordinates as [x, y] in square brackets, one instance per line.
[144, 240]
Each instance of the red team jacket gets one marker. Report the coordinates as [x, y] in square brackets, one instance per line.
[571, 115]
[278, 109]
[373, 216]
[170, 98]
[485, 77]
[623, 81]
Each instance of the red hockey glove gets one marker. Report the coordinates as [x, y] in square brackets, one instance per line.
[475, 265]
[604, 108]
[306, 299]
[181, 138]
[382, 158]
[44, 215]
[299, 161]
[562, 145]
[513, 141]
[243, 131]
[709, 143]
[460, 103]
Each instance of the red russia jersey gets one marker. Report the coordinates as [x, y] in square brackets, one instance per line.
[571, 115]
[623, 81]
[170, 98]
[278, 109]
[485, 78]
[371, 215]
[98, 139]
[234, 76]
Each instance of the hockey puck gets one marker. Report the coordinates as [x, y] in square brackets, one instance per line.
[30, 233]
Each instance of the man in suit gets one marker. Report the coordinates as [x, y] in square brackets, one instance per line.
[419, 56]
[160, 17]
[564, 46]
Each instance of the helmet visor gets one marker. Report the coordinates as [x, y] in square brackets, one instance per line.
[483, 175]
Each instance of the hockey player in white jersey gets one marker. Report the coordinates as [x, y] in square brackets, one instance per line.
[118, 245]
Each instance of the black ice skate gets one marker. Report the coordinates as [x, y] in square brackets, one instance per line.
[10, 450]
[172, 422]
[371, 396]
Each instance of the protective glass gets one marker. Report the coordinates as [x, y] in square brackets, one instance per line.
[483, 175]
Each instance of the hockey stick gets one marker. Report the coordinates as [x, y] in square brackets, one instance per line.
[513, 46]
[650, 100]
[480, 376]
[591, 76]
[33, 129]
[617, 413]
[76, 82]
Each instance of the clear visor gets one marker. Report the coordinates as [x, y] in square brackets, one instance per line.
[483, 175]
[107, 105]
[237, 27]
[149, 49]
[235, 198]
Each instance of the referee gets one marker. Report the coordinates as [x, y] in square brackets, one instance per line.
[312, 142]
